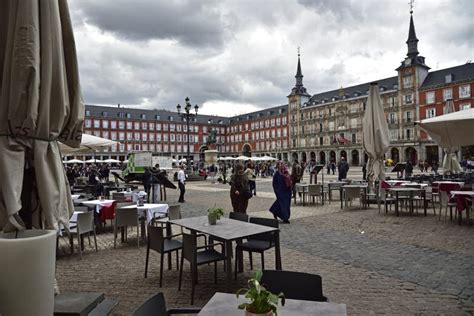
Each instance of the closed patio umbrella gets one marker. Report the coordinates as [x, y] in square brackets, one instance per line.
[375, 134]
[40, 104]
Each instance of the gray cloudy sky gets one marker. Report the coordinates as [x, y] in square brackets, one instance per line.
[236, 56]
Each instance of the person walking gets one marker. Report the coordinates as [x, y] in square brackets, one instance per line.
[181, 183]
[239, 189]
[147, 180]
[296, 175]
[408, 170]
[342, 169]
[333, 167]
[282, 187]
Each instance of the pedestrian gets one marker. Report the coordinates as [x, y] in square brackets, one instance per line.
[329, 168]
[408, 169]
[333, 167]
[434, 167]
[147, 180]
[181, 183]
[251, 177]
[282, 187]
[296, 175]
[342, 169]
[364, 171]
[239, 189]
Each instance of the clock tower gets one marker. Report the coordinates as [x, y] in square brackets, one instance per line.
[297, 98]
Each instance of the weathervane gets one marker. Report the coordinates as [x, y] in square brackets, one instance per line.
[411, 6]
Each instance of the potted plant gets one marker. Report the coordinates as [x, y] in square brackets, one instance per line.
[213, 214]
[262, 302]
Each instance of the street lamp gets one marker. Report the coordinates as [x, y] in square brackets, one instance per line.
[187, 115]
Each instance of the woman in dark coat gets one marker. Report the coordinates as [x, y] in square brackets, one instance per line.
[282, 188]
[239, 190]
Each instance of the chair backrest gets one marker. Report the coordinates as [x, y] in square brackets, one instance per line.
[154, 306]
[189, 247]
[174, 212]
[315, 189]
[85, 222]
[239, 216]
[270, 222]
[295, 285]
[126, 217]
[155, 238]
[443, 198]
[352, 192]
[81, 208]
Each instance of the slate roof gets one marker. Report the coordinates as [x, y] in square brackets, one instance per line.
[460, 73]
[257, 114]
[350, 92]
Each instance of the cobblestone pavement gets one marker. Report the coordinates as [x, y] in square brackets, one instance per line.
[375, 263]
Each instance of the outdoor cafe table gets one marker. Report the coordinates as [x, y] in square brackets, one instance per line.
[227, 304]
[397, 190]
[365, 187]
[98, 204]
[229, 230]
[332, 184]
[150, 209]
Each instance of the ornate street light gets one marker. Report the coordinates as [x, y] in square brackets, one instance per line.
[187, 115]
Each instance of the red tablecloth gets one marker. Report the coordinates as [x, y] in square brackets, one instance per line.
[448, 187]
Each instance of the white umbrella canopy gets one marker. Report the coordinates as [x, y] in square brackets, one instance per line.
[89, 143]
[111, 161]
[40, 103]
[73, 161]
[375, 134]
[94, 161]
[267, 158]
[244, 158]
[451, 130]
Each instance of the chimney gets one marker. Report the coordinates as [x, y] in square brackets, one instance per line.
[118, 105]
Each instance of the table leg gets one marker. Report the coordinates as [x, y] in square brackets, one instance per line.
[277, 251]
[329, 192]
[239, 255]
[340, 196]
[169, 233]
[424, 202]
[411, 202]
[396, 203]
[228, 263]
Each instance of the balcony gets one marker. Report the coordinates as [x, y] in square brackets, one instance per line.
[408, 121]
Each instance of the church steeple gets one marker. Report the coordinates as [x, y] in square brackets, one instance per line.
[299, 75]
[299, 89]
[412, 41]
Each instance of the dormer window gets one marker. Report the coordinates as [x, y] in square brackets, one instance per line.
[171, 118]
[143, 116]
[395, 86]
[104, 114]
[357, 93]
[448, 78]
[88, 113]
[128, 115]
[157, 117]
[333, 99]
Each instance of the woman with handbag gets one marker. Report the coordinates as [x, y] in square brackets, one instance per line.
[239, 189]
[282, 186]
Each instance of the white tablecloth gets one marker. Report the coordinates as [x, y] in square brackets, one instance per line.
[98, 204]
[150, 209]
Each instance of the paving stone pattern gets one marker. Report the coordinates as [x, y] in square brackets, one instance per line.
[374, 263]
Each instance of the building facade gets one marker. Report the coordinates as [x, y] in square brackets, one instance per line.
[322, 127]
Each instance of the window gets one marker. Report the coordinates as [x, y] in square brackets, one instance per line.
[407, 81]
[172, 127]
[96, 123]
[129, 115]
[447, 94]
[88, 113]
[157, 117]
[465, 106]
[87, 123]
[165, 137]
[137, 136]
[121, 124]
[151, 126]
[129, 135]
[129, 125]
[105, 134]
[430, 97]
[464, 91]
[354, 139]
[113, 135]
[152, 137]
[143, 116]
[408, 98]
[144, 137]
[105, 124]
[172, 137]
[158, 137]
[178, 127]
[165, 127]
[408, 134]
[430, 112]
[408, 117]
[137, 125]
[392, 118]
[393, 134]
[144, 125]
[113, 124]
[158, 126]
[121, 136]
[392, 101]
[121, 114]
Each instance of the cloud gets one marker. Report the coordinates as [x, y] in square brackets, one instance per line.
[231, 56]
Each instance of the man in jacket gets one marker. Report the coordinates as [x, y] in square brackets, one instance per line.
[342, 169]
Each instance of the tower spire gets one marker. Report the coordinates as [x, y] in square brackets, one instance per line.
[299, 74]
[412, 41]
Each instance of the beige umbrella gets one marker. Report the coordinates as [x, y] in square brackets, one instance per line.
[89, 143]
[40, 103]
[375, 134]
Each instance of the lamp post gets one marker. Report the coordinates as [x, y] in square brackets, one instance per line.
[187, 115]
